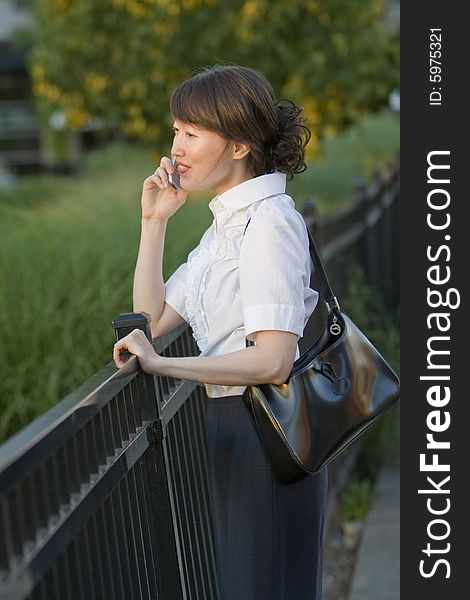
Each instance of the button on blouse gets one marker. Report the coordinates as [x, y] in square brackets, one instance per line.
[237, 282]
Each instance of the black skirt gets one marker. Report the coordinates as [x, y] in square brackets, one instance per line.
[268, 535]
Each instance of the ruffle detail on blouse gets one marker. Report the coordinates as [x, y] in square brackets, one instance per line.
[198, 269]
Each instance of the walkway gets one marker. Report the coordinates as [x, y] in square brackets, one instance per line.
[377, 569]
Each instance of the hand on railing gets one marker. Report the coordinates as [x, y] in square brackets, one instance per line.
[135, 343]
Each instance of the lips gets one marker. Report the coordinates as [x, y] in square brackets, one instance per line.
[182, 168]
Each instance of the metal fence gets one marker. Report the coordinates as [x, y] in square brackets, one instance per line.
[106, 495]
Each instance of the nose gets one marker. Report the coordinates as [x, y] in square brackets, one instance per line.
[177, 146]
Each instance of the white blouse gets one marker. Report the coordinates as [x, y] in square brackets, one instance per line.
[236, 283]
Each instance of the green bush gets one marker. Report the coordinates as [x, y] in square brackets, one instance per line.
[383, 329]
[381, 441]
[356, 499]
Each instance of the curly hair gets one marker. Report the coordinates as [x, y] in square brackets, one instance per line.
[239, 104]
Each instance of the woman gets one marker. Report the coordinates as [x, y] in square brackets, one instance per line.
[248, 279]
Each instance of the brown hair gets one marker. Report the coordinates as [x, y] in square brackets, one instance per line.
[238, 103]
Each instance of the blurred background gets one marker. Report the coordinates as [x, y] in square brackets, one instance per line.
[84, 118]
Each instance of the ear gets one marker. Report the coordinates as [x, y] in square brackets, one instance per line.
[240, 150]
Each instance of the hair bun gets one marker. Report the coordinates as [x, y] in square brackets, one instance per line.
[288, 153]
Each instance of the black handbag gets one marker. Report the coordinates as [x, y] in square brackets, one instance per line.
[336, 390]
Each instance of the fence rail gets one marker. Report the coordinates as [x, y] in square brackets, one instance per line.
[106, 495]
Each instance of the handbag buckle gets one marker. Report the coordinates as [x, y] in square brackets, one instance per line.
[333, 303]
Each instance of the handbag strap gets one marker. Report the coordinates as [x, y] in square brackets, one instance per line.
[327, 292]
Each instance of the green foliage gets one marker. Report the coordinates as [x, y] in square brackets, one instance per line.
[119, 59]
[381, 440]
[355, 499]
[365, 306]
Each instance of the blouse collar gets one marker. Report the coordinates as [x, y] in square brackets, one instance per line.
[248, 192]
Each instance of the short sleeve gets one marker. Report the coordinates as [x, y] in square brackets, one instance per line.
[275, 271]
[174, 290]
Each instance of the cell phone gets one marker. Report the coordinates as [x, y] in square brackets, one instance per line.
[174, 178]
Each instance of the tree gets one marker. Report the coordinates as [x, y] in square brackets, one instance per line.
[118, 60]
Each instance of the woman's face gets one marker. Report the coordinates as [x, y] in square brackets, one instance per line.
[205, 160]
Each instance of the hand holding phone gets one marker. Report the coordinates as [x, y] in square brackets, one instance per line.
[174, 178]
[157, 201]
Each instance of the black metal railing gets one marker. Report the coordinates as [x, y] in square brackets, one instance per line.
[106, 495]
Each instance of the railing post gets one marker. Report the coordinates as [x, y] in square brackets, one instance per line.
[394, 187]
[125, 323]
[385, 233]
[374, 218]
[163, 517]
[367, 249]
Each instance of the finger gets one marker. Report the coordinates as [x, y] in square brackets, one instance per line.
[120, 351]
[121, 359]
[155, 180]
[116, 355]
[151, 181]
[119, 363]
[166, 164]
[162, 176]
